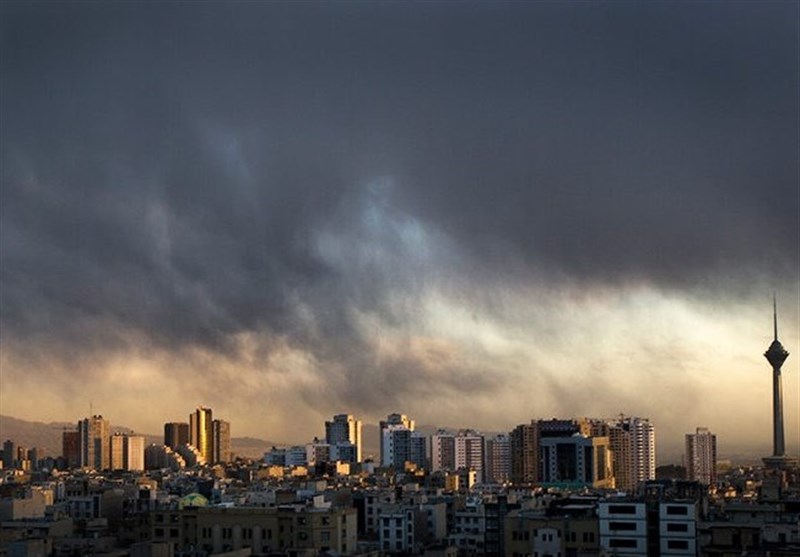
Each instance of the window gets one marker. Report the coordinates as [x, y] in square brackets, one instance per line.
[626, 526]
[616, 542]
[677, 527]
[677, 544]
[622, 509]
[675, 509]
[325, 536]
[326, 520]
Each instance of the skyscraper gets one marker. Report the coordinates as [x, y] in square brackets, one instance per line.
[344, 429]
[71, 448]
[701, 456]
[201, 435]
[94, 438]
[455, 451]
[127, 452]
[498, 459]
[643, 449]
[525, 453]
[390, 430]
[176, 434]
[221, 441]
[9, 454]
[443, 451]
[776, 354]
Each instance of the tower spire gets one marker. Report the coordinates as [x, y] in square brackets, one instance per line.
[775, 315]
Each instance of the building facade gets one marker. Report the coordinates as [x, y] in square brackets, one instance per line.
[701, 456]
[94, 436]
[344, 429]
[201, 434]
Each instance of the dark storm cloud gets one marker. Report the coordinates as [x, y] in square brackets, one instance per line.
[176, 169]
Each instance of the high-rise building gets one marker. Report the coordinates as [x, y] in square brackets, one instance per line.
[401, 444]
[525, 453]
[619, 439]
[344, 429]
[776, 354]
[395, 443]
[221, 442]
[498, 459]
[94, 439]
[176, 434]
[701, 456]
[470, 452]
[454, 451]
[643, 449]
[201, 434]
[127, 452]
[71, 448]
[443, 451]
[418, 450]
[577, 459]
[9, 454]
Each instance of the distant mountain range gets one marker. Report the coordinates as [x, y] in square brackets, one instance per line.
[47, 436]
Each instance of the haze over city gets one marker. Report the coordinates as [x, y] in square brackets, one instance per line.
[474, 214]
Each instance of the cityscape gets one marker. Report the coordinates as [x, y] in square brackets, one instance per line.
[549, 487]
[376, 278]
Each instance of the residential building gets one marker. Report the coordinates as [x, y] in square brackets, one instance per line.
[701, 456]
[345, 429]
[127, 452]
[393, 423]
[524, 440]
[498, 459]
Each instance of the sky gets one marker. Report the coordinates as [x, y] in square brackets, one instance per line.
[474, 213]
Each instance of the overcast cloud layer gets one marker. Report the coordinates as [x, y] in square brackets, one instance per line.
[474, 213]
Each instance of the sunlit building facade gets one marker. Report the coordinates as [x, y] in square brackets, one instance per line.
[344, 429]
[94, 435]
[201, 434]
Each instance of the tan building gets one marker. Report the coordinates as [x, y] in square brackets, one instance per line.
[94, 435]
[263, 530]
[525, 454]
[531, 533]
[127, 452]
[221, 431]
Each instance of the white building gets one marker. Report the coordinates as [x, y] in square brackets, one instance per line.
[643, 453]
[677, 529]
[623, 528]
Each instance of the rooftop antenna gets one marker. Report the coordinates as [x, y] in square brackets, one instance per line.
[775, 315]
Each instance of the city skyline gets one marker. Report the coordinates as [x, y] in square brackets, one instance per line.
[475, 214]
